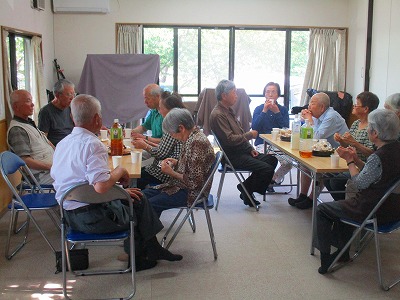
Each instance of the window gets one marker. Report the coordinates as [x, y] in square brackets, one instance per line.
[193, 58]
[19, 62]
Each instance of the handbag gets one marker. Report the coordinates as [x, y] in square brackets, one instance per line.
[79, 259]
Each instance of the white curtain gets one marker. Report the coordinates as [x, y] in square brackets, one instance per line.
[38, 88]
[129, 39]
[7, 75]
[326, 61]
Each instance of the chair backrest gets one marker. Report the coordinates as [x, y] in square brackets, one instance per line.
[394, 188]
[10, 163]
[84, 192]
[213, 169]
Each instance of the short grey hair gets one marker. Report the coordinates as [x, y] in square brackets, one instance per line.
[154, 89]
[84, 108]
[176, 117]
[393, 101]
[224, 86]
[15, 97]
[323, 99]
[386, 123]
[60, 85]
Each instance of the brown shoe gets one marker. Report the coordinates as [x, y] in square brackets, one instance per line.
[123, 257]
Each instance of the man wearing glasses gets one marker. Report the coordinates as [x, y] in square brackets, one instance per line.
[55, 117]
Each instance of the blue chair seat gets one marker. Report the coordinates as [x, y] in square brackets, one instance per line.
[77, 236]
[228, 169]
[384, 228]
[37, 201]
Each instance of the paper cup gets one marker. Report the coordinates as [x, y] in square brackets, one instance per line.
[135, 156]
[275, 129]
[127, 132]
[116, 160]
[275, 135]
[335, 161]
[103, 134]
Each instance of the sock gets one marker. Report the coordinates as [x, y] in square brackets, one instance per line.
[154, 251]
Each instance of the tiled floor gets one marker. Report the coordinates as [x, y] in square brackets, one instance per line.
[262, 255]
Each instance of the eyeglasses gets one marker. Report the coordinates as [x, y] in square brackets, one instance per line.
[69, 94]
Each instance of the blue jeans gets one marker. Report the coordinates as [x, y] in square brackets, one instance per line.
[161, 201]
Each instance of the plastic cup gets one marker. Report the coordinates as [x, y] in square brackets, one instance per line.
[103, 134]
[275, 129]
[127, 132]
[335, 161]
[135, 156]
[116, 160]
[275, 135]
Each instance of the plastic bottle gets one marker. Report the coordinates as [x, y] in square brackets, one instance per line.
[306, 140]
[116, 138]
[295, 140]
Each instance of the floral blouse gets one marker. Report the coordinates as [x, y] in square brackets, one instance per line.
[197, 156]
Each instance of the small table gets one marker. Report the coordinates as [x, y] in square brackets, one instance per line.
[134, 169]
[317, 166]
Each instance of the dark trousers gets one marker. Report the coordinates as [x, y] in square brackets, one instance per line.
[330, 231]
[262, 169]
[337, 182]
[113, 217]
[146, 179]
[161, 201]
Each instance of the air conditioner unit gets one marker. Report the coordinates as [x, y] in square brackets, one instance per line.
[37, 4]
[81, 6]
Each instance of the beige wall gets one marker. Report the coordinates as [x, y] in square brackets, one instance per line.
[95, 34]
[19, 15]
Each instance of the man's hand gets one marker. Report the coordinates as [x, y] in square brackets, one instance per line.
[124, 179]
[306, 115]
[140, 143]
[254, 133]
[254, 153]
[136, 135]
[135, 193]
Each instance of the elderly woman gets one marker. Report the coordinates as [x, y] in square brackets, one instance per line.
[188, 174]
[372, 179]
[357, 137]
[168, 146]
[266, 116]
[393, 103]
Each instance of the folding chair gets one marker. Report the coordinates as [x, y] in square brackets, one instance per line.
[83, 192]
[227, 167]
[202, 201]
[25, 201]
[370, 224]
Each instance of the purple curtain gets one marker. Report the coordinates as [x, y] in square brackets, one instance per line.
[117, 80]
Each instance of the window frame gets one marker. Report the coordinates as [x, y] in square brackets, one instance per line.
[232, 30]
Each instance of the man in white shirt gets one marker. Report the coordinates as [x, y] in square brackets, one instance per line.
[81, 157]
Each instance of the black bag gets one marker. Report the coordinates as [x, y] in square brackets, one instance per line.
[79, 259]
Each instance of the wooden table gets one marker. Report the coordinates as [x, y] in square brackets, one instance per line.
[134, 169]
[317, 166]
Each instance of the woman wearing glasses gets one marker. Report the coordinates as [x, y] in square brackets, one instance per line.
[357, 137]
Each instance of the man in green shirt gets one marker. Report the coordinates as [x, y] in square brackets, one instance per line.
[151, 93]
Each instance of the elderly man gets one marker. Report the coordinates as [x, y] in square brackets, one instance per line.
[326, 122]
[26, 140]
[55, 117]
[81, 157]
[235, 143]
[151, 93]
